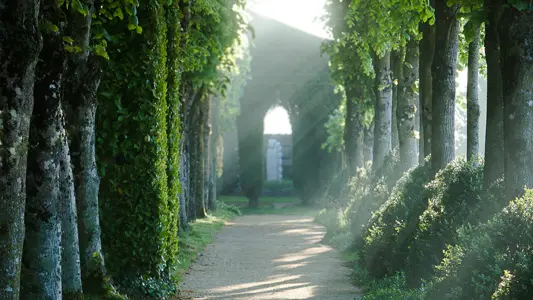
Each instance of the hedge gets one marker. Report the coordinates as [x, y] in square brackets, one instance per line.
[139, 219]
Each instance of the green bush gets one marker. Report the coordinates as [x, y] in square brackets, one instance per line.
[453, 194]
[283, 188]
[367, 193]
[494, 259]
[336, 194]
[390, 230]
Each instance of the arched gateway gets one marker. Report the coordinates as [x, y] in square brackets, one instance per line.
[287, 69]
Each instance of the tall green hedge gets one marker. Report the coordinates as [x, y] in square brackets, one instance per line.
[139, 219]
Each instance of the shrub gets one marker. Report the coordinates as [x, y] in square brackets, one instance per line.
[453, 195]
[336, 194]
[368, 193]
[494, 259]
[391, 228]
[278, 188]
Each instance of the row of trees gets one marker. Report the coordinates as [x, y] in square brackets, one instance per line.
[396, 63]
[440, 227]
[105, 139]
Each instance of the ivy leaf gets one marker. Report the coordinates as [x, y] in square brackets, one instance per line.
[82, 9]
[118, 13]
[139, 29]
[101, 51]
[49, 27]
[68, 39]
[131, 26]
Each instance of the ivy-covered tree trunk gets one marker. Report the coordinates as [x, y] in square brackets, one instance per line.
[472, 95]
[407, 107]
[173, 126]
[213, 150]
[516, 36]
[68, 214]
[41, 263]
[397, 58]
[197, 153]
[353, 130]
[427, 50]
[206, 109]
[19, 49]
[383, 110]
[443, 70]
[494, 152]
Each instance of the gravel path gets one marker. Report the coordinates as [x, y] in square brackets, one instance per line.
[269, 257]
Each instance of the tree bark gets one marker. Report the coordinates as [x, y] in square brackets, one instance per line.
[70, 254]
[383, 110]
[213, 145]
[443, 70]
[82, 141]
[494, 152]
[516, 34]
[407, 107]
[472, 96]
[396, 68]
[41, 272]
[353, 129]
[368, 150]
[197, 154]
[19, 50]
[427, 51]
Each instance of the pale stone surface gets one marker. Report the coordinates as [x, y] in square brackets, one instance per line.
[274, 161]
[269, 257]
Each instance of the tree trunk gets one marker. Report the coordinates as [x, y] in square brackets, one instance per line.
[368, 150]
[41, 272]
[353, 129]
[19, 50]
[197, 153]
[407, 107]
[383, 110]
[397, 58]
[70, 254]
[206, 157]
[516, 34]
[472, 95]
[427, 51]
[213, 146]
[82, 140]
[443, 105]
[494, 153]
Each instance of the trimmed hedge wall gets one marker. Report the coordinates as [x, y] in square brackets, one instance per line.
[139, 209]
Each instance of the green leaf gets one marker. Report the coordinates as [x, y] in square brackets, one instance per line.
[139, 29]
[68, 39]
[49, 27]
[131, 26]
[101, 51]
[118, 13]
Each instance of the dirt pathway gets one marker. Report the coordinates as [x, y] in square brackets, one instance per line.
[270, 257]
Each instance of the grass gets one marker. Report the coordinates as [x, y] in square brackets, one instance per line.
[267, 206]
[200, 234]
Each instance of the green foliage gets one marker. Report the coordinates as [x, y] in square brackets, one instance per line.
[391, 288]
[368, 191]
[492, 260]
[391, 228]
[278, 188]
[335, 129]
[452, 196]
[139, 220]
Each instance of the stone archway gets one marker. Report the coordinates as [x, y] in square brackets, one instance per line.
[287, 69]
